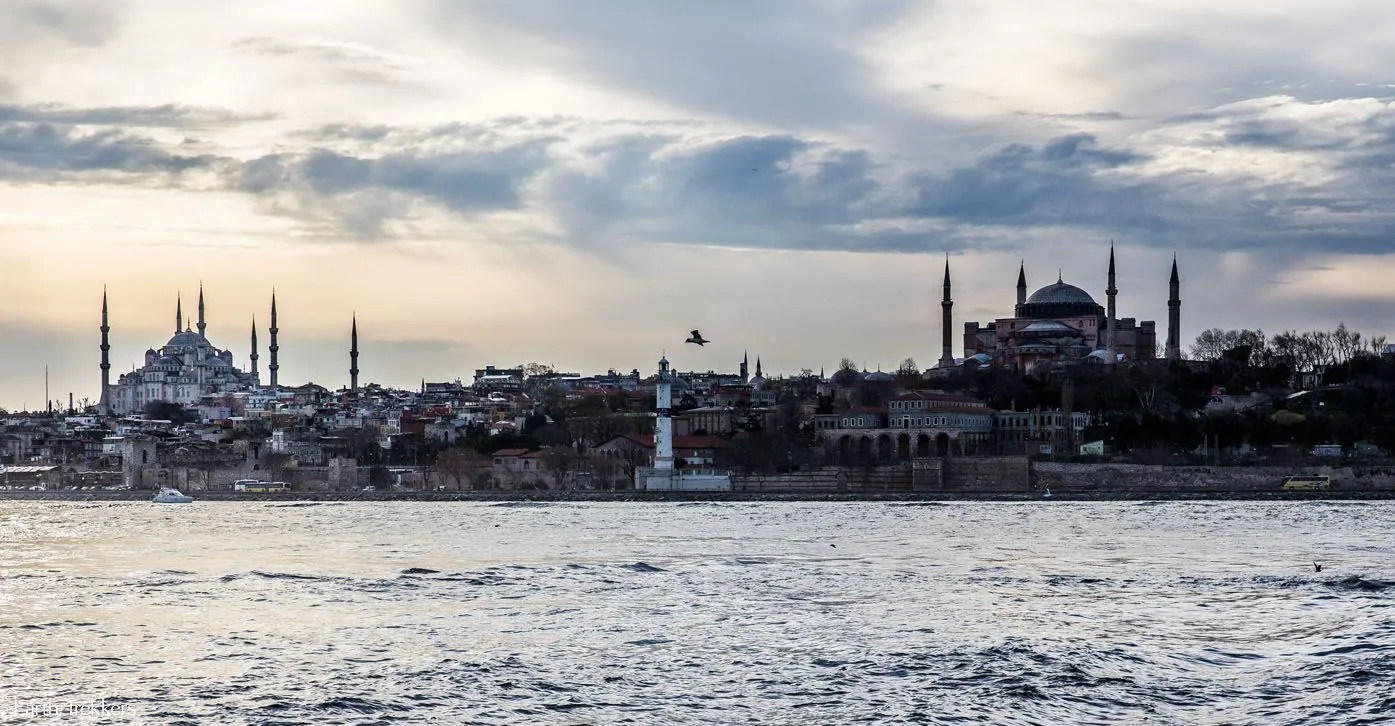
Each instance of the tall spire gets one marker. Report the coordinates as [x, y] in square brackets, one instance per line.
[1174, 315]
[1111, 327]
[104, 403]
[1021, 283]
[178, 313]
[353, 355]
[253, 356]
[745, 366]
[759, 374]
[946, 323]
[202, 324]
[272, 367]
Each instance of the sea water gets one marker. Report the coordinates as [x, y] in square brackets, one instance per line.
[702, 613]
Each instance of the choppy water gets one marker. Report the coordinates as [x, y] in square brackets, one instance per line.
[778, 613]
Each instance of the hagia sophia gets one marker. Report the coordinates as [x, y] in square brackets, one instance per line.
[1061, 323]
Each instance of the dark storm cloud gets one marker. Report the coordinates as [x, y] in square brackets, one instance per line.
[363, 193]
[47, 151]
[751, 191]
[678, 184]
[1019, 184]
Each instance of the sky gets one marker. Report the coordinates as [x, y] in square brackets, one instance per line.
[579, 183]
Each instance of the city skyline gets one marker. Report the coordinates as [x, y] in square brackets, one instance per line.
[498, 183]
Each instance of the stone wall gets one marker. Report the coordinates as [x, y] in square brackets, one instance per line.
[988, 473]
[829, 479]
[1059, 477]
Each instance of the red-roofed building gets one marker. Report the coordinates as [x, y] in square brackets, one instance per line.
[693, 450]
[919, 409]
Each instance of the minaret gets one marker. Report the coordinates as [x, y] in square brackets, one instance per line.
[272, 367]
[353, 356]
[202, 324]
[178, 314]
[745, 367]
[1111, 326]
[1022, 284]
[759, 374]
[663, 424]
[104, 403]
[947, 322]
[253, 357]
[1174, 316]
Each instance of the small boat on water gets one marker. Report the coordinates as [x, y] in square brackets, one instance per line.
[167, 495]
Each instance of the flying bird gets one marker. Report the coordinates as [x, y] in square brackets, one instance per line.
[1317, 567]
[696, 338]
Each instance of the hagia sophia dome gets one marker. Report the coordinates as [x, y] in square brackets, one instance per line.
[1059, 300]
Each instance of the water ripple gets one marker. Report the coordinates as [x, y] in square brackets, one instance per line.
[956, 613]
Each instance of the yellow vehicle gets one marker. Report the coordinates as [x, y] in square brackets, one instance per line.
[1308, 482]
[252, 485]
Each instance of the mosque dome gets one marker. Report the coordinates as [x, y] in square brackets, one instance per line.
[1059, 300]
[186, 339]
[1061, 292]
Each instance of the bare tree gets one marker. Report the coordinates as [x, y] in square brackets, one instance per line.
[558, 462]
[458, 463]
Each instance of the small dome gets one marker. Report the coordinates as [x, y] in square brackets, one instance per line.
[878, 376]
[1061, 292]
[1048, 326]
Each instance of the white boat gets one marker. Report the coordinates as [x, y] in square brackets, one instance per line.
[171, 496]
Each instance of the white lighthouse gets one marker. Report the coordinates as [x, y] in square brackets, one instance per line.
[663, 476]
[663, 422]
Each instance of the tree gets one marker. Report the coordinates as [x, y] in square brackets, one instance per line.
[558, 461]
[275, 465]
[1213, 344]
[908, 370]
[537, 369]
[458, 463]
[379, 476]
[847, 372]
[169, 411]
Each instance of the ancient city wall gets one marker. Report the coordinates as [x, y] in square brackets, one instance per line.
[1061, 477]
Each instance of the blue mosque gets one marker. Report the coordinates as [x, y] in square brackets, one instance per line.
[183, 370]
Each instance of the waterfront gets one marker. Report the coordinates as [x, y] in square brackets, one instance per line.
[713, 612]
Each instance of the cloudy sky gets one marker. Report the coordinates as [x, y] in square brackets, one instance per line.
[580, 182]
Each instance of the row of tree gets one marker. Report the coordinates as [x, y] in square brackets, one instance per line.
[1298, 351]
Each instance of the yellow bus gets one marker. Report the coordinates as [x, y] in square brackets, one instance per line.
[1308, 482]
[252, 485]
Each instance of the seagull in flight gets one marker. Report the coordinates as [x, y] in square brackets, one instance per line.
[696, 338]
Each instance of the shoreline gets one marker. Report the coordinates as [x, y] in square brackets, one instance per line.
[1135, 495]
